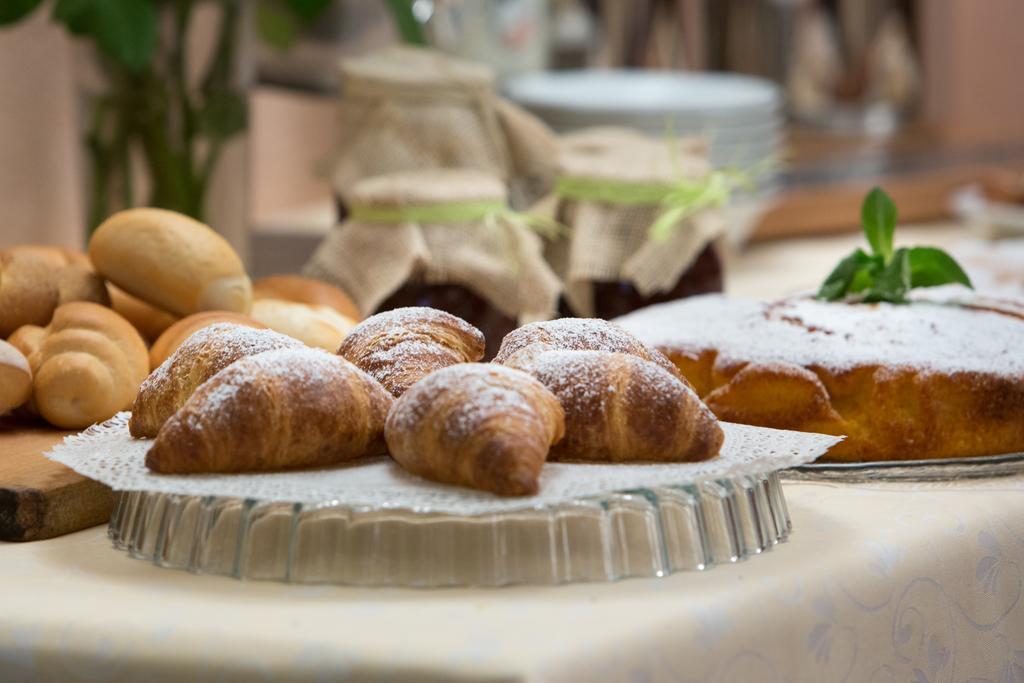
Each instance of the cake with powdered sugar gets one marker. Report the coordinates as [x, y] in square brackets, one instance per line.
[940, 377]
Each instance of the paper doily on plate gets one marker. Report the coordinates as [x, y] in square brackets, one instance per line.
[107, 453]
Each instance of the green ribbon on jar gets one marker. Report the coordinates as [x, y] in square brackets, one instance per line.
[679, 200]
[485, 211]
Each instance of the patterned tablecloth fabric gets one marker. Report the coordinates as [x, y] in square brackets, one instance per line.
[879, 583]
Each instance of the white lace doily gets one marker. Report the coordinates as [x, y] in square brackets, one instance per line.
[107, 453]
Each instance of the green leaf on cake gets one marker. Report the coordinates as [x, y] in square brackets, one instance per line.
[887, 274]
[878, 218]
[931, 267]
[842, 276]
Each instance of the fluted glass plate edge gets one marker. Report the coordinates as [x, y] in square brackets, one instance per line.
[647, 532]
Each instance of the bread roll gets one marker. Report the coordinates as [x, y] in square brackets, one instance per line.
[176, 334]
[89, 366]
[149, 320]
[15, 378]
[28, 339]
[171, 261]
[35, 280]
[317, 326]
[59, 256]
[305, 290]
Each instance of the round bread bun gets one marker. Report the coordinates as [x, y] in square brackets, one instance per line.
[305, 290]
[149, 320]
[15, 378]
[173, 336]
[170, 261]
[319, 326]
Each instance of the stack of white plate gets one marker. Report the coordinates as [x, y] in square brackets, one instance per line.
[740, 116]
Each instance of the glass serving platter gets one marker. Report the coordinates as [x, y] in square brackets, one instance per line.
[650, 532]
[945, 469]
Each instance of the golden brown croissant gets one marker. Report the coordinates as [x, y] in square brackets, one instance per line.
[199, 358]
[276, 410]
[477, 425]
[400, 347]
[620, 408]
[578, 334]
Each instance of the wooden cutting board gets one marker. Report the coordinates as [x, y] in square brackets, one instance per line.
[40, 498]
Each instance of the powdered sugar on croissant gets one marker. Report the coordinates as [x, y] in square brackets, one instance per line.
[478, 425]
[620, 408]
[578, 334]
[286, 408]
[402, 346]
[199, 358]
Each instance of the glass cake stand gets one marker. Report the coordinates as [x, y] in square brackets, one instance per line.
[944, 469]
[650, 532]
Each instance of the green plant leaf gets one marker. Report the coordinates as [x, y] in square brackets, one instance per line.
[866, 275]
[837, 284]
[930, 267]
[76, 15]
[126, 30]
[307, 10]
[893, 282]
[878, 218]
[15, 10]
[224, 113]
[408, 27]
[277, 27]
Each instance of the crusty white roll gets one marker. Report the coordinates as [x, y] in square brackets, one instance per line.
[171, 261]
[175, 335]
[305, 290]
[318, 326]
[149, 320]
[88, 367]
[35, 279]
[15, 378]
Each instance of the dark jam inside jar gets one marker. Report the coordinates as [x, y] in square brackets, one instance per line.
[459, 301]
[612, 299]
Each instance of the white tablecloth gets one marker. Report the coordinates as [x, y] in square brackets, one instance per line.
[878, 583]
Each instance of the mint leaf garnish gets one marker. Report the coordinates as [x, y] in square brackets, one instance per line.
[887, 274]
[930, 267]
[878, 218]
[839, 280]
[893, 282]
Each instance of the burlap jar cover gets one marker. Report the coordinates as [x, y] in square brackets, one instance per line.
[447, 226]
[407, 108]
[639, 210]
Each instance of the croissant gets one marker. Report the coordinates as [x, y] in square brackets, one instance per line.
[287, 408]
[400, 347]
[620, 408]
[481, 426]
[579, 334]
[199, 358]
[86, 364]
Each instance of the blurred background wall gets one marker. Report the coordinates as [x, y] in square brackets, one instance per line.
[40, 182]
[968, 113]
